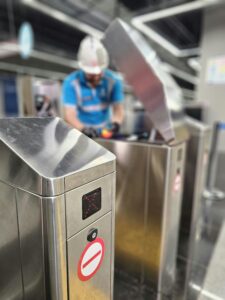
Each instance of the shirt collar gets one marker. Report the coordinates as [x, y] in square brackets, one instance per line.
[82, 77]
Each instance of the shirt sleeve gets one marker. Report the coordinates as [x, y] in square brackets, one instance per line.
[68, 94]
[117, 94]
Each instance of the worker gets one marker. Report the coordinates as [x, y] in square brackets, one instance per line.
[44, 106]
[93, 95]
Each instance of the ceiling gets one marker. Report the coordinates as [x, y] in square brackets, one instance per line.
[60, 25]
[182, 31]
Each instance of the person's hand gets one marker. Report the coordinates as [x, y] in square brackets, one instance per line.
[90, 132]
[110, 131]
[115, 127]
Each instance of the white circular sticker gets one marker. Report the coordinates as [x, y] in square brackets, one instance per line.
[91, 259]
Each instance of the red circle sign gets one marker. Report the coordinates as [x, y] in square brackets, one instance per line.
[91, 259]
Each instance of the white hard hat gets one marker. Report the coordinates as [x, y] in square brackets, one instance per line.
[92, 56]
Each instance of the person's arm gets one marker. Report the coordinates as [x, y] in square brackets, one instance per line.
[70, 115]
[118, 113]
[117, 97]
[70, 101]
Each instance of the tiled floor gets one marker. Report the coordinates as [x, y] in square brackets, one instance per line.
[209, 227]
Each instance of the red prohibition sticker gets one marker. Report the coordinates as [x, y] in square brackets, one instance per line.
[177, 183]
[91, 259]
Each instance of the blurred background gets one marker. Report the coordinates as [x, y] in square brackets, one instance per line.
[39, 40]
[187, 35]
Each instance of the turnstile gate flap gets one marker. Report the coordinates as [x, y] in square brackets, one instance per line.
[133, 57]
[46, 157]
[196, 127]
[186, 128]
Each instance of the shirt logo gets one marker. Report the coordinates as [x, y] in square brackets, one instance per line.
[86, 98]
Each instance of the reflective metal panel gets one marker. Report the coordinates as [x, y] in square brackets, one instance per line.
[194, 184]
[54, 222]
[174, 178]
[148, 202]
[42, 232]
[13, 170]
[31, 244]
[196, 170]
[74, 203]
[34, 231]
[98, 287]
[130, 204]
[10, 266]
[132, 56]
[45, 151]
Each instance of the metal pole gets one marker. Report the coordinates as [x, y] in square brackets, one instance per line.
[11, 19]
[211, 177]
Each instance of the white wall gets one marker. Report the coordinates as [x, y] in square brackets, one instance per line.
[213, 45]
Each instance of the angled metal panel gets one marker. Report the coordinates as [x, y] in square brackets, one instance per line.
[133, 56]
[46, 157]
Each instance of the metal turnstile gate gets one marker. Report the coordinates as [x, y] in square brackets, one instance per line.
[194, 184]
[195, 178]
[56, 212]
[150, 175]
[148, 202]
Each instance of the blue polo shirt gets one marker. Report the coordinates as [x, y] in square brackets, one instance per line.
[92, 104]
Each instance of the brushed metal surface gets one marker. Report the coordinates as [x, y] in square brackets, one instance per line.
[31, 244]
[74, 220]
[39, 155]
[130, 204]
[194, 184]
[11, 275]
[147, 210]
[42, 233]
[156, 201]
[113, 212]
[175, 165]
[98, 287]
[91, 174]
[196, 170]
[133, 57]
[54, 232]
[15, 172]
[45, 151]
[43, 250]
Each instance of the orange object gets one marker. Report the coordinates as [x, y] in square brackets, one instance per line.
[106, 134]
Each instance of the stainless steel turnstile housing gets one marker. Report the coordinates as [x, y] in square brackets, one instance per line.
[195, 178]
[149, 175]
[148, 203]
[194, 184]
[55, 186]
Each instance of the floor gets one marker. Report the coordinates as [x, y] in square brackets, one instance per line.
[205, 270]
